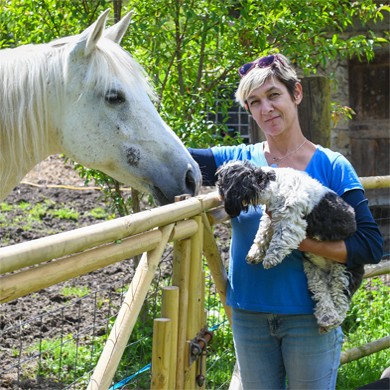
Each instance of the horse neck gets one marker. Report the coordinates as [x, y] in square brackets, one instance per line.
[24, 116]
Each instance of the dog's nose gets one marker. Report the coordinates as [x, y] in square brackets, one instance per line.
[231, 210]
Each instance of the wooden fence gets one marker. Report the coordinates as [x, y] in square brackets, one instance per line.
[178, 358]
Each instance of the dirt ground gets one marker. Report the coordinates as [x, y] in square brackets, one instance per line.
[22, 321]
[58, 184]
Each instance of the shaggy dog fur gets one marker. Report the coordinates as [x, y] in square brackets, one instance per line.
[300, 207]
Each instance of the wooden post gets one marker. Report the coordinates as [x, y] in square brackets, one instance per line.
[170, 309]
[377, 270]
[195, 289]
[375, 182]
[216, 267]
[124, 324]
[181, 275]
[194, 299]
[161, 354]
[314, 110]
[203, 323]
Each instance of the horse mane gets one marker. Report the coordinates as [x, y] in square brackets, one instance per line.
[23, 114]
[28, 73]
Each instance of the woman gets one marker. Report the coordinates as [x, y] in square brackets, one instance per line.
[275, 332]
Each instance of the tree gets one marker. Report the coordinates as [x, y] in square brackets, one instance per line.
[192, 48]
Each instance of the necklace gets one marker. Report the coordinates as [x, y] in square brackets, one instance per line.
[277, 159]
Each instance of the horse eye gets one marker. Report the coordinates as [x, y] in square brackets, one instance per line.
[114, 97]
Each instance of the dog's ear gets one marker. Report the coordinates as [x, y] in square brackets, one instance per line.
[260, 175]
[263, 178]
[220, 175]
[271, 175]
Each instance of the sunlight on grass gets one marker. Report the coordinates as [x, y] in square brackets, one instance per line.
[75, 291]
[65, 213]
[368, 320]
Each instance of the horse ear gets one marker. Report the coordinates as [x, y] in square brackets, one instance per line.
[88, 38]
[117, 31]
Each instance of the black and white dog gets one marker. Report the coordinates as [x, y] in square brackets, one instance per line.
[300, 207]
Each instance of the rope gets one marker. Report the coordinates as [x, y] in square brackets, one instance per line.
[67, 187]
[131, 377]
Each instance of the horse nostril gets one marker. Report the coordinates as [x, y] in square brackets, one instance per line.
[190, 182]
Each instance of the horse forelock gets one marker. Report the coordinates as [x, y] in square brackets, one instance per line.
[110, 62]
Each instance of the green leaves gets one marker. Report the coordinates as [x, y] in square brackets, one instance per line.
[39, 21]
[191, 50]
[368, 320]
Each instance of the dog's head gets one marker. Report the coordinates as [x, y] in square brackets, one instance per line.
[241, 184]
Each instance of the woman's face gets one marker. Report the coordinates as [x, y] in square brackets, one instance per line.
[272, 107]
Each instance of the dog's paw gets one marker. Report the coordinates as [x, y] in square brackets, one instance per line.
[269, 262]
[328, 321]
[253, 259]
[255, 255]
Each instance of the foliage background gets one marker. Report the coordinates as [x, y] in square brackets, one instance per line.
[192, 49]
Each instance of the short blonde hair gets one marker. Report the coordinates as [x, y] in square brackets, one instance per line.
[280, 69]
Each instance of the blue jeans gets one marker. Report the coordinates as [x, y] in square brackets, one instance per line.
[271, 348]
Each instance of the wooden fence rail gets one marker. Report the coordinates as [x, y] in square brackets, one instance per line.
[188, 224]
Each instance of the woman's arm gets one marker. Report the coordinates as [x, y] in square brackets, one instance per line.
[365, 246]
[335, 250]
[207, 165]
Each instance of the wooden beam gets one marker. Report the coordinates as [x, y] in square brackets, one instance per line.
[15, 285]
[374, 182]
[128, 314]
[52, 247]
[215, 264]
[365, 350]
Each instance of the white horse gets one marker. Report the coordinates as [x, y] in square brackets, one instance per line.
[86, 97]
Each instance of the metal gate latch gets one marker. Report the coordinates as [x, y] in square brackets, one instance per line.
[197, 349]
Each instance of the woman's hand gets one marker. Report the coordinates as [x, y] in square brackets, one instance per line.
[333, 250]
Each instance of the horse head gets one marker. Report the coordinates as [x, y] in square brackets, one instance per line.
[99, 112]
[108, 121]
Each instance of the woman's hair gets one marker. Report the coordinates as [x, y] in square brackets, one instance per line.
[280, 69]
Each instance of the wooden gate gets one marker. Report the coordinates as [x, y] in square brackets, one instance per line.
[181, 334]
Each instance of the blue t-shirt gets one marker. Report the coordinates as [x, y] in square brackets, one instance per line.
[282, 289]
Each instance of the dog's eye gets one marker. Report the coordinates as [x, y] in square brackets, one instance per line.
[245, 203]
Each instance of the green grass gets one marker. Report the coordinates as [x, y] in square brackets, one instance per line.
[67, 358]
[5, 206]
[101, 213]
[66, 213]
[30, 217]
[75, 291]
[38, 211]
[368, 320]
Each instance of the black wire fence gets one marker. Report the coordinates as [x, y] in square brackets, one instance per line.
[52, 339]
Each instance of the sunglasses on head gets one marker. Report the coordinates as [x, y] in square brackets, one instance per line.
[263, 62]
